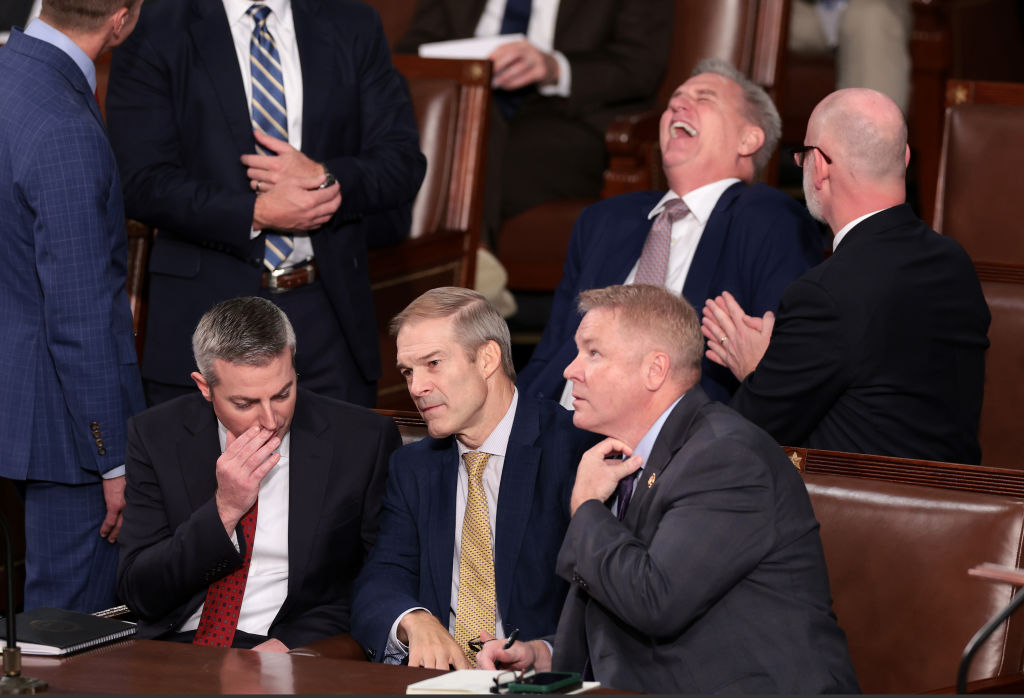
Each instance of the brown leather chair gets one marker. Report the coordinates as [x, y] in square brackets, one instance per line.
[976, 203]
[452, 102]
[748, 33]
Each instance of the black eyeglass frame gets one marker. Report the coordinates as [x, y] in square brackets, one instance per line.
[800, 152]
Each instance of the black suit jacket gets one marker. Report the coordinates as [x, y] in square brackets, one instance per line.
[179, 121]
[173, 544]
[617, 50]
[880, 349]
[714, 582]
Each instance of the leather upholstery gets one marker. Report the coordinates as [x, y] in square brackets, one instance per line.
[897, 557]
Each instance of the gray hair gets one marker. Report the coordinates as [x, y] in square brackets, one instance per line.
[668, 323]
[759, 108]
[475, 321]
[248, 331]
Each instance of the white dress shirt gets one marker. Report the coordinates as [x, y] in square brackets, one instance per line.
[267, 585]
[281, 26]
[849, 226]
[496, 444]
[540, 32]
[686, 234]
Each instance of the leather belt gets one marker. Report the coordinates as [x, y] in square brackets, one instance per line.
[281, 280]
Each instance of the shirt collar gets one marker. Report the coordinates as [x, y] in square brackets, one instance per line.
[849, 226]
[646, 444]
[237, 9]
[496, 442]
[38, 29]
[701, 201]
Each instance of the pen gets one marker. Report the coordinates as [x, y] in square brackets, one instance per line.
[511, 638]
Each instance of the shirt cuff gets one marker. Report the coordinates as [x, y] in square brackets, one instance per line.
[562, 88]
[114, 472]
[396, 651]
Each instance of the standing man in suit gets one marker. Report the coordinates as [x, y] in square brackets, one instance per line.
[707, 574]
[69, 370]
[582, 63]
[711, 231]
[881, 348]
[463, 554]
[253, 483]
[257, 190]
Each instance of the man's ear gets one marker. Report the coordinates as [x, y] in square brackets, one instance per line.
[656, 367]
[203, 386]
[751, 140]
[488, 357]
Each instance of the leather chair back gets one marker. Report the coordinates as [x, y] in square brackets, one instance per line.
[897, 558]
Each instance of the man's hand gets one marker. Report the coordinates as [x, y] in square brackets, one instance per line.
[288, 163]
[113, 495]
[598, 476]
[735, 339]
[430, 644]
[520, 63]
[520, 656]
[296, 204]
[271, 645]
[240, 470]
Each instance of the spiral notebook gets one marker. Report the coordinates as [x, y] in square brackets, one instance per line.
[54, 632]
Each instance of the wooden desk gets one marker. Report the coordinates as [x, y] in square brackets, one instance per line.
[150, 666]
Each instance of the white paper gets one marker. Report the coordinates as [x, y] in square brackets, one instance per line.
[475, 681]
[478, 47]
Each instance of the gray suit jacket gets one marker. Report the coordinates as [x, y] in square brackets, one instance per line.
[715, 582]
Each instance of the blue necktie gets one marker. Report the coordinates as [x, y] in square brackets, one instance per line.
[269, 112]
[515, 21]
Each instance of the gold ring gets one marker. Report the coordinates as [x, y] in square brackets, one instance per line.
[257, 185]
[723, 339]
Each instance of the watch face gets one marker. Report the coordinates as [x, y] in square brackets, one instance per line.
[328, 182]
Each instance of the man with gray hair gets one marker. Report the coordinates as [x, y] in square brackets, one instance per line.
[881, 348]
[472, 516]
[711, 232]
[251, 505]
[706, 573]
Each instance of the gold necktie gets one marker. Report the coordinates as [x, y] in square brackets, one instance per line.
[475, 611]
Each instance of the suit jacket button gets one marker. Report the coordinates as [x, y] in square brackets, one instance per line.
[372, 652]
[101, 451]
[94, 425]
[99, 442]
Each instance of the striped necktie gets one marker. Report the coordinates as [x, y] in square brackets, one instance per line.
[269, 112]
[475, 611]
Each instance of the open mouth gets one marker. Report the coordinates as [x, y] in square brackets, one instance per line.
[682, 126]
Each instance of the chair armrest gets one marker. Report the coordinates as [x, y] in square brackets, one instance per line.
[634, 156]
[334, 647]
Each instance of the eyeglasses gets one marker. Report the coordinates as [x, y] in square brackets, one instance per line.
[503, 680]
[799, 152]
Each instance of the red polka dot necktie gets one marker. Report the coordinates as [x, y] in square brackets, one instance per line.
[219, 619]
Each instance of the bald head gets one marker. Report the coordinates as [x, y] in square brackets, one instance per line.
[865, 132]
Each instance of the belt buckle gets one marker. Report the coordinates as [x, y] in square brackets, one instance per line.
[308, 270]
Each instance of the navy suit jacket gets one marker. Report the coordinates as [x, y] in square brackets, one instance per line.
[715, 581]
[69, 369]
[173, 544]
[756, 241]
[179, 121]
[880, 349]
[411, 565]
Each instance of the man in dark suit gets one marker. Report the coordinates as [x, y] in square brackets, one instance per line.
[256, 484]
[182, 113]
[69, 369]
[881, 348]
[424, 593]
[718, 131]
[583, 62]
[707, 574]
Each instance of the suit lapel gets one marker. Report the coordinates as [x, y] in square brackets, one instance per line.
[563, 22]
[198, 453]
[211, 37]
[515, 497]
[627, 244]
[709, 248]
[670, 439]
[310, 456]
[440, 492]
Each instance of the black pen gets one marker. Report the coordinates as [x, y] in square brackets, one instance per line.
[511, 638]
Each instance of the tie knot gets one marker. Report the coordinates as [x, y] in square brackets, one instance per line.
[476, 461]
[675, 209]
[259, 13]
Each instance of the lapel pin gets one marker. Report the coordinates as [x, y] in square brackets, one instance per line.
[650, 480]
